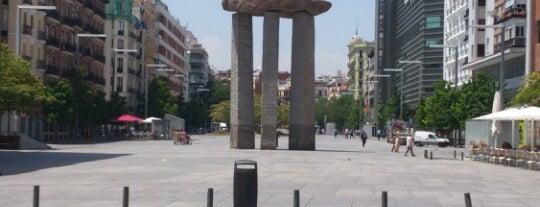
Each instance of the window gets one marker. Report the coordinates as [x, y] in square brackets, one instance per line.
[520, 31]
[430, 42]
[119, 84]
[538, 32]
[120, 44]
[434, 22]
[120, 65]
[120, 27]
[118, 6]
[481, 2]
[481, 50]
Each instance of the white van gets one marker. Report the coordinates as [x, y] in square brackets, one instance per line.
[223, 126]
[429, 138]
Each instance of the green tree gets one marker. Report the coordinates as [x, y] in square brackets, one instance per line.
[529, 92]
[475, 99]
[283, 114]
[160, 100]
[20, 90]
[221, 112]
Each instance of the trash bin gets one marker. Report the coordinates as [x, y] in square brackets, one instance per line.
[245, 183]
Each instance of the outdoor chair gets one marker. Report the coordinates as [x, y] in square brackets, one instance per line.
[493, 158]
[510, 157]
[521, 158]
[501, 156]
[533, 162]
[484, 154]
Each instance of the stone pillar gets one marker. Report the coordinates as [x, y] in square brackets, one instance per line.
[269, 80]
[242, 130]
[302, 113]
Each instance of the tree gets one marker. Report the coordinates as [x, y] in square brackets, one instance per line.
[20, 90]
[221, 112]
[283, 114]
[529, 93]
[475, 99]
[160, 100]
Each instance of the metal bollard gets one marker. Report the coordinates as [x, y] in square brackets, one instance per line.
[462, 155]
[36, 195]
[296, 198]
[125, 200]
[431, 155]
[468, 202]
[455, 154]
[245, 183]
[384, 199]
[210, 198]
[425, 154]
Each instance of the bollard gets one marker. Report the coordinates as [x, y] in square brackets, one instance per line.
[245, 183]
[431, 155]
[455, 154]
[468, 202]
[462, 155]
[210, 198]
[384, 199]
[36, 195]
[296, 198]
[125, 200]
[425, 154]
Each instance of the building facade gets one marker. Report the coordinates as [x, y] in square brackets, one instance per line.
[172, 47]
[535, 36]
[456, 16]
[200, 71]
[124, 71]
[357, 64]
[486, 57]
[418, 25]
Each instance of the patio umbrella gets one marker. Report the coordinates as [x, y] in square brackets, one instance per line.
[128, 118]
[150, 119]
[496, 125]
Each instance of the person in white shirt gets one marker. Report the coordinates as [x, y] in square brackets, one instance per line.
[410, 144]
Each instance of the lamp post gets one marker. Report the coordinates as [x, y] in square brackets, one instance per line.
[400, 70]
[146, 85]
[503, 48]
[17, 26]
[456, 58]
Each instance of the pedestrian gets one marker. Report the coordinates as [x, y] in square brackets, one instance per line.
[379, 134]
[363, 136]
[335, 133]
[395, 144]
[346, 133]
[410, 144]
[351, 134]
[183, 136]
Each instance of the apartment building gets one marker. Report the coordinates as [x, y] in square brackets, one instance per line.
[124, 72]
[486, 52]
[200, 71]
[535, 36]
[172, 48]
[49, 40]
[357, 64]
[456, 38]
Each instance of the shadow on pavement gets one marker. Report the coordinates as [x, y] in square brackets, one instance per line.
[16, 162]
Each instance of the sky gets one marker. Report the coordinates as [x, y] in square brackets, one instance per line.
[211, 25]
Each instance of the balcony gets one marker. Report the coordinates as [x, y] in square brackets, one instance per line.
[131, 71]
[41, 36]
[41, 64]
[99, 57]
[27, 2]
[514, 42]
[27, 29]
[53, 70]
[515, 12]
[68, 47]
[27, 58]
[52, 42]
[52, 14]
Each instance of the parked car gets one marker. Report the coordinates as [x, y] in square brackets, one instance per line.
[429, 138]
[223, 126]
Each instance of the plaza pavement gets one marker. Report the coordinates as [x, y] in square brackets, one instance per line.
[340, 173]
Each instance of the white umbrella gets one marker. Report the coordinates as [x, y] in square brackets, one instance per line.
[496, 125]
[150, 119]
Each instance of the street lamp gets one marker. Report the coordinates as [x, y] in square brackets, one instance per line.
[400, 70]
[17, 27]
[456, 57]
[501, 71]
[146, 85]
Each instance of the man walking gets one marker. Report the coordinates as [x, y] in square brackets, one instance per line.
[363, 136]
[379, 134]
[410, 144]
